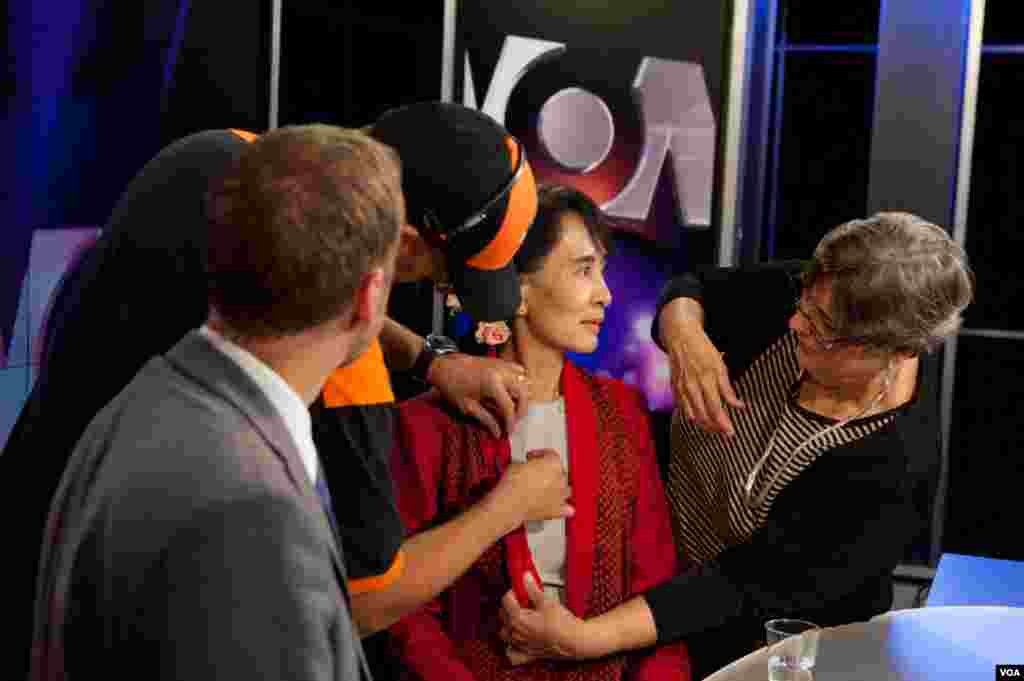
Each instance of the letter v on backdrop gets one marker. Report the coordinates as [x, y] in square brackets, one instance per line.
[613, 114]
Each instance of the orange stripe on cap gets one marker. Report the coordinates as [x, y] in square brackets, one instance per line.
[522, 209]
[244, 134]
[379, 582]
[364, 381]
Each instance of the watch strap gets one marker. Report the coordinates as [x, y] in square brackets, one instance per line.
[434, 346]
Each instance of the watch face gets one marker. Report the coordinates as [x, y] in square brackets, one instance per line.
[441, 344]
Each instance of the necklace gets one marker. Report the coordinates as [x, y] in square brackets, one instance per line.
[748, 488]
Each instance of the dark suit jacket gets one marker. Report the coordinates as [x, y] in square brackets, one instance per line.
[187, 542]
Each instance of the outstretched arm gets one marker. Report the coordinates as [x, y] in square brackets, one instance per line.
[785, 568]
[700, 380]
[492, 391]
[548, 629]
[652, 549]
[435, 555]
[400, 344]
[435, 558]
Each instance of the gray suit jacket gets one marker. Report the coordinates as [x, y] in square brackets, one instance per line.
[187, 542]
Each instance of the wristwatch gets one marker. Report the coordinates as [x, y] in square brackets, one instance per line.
[434, 347]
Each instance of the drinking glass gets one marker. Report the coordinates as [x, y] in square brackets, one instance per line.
[792, 648]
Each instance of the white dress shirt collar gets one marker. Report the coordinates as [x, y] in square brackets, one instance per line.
[285, 400]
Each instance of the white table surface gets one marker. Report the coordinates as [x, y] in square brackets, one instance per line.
[960, 643]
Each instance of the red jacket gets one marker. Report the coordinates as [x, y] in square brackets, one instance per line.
[619, 542]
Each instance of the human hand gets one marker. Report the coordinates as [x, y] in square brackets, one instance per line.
[546, 630]
[517, 657]
[700, 379]
[488, 389]
[536, 490]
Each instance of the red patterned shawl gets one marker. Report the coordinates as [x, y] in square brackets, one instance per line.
[619, 542]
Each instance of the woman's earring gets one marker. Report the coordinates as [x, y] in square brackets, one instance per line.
[521, 312]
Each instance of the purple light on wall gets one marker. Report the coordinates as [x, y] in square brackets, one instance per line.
[52, 253]
[635, 275]
[177, 38]
[641, 362]
[45, 37]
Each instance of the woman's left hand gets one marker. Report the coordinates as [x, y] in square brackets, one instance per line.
[547, 630]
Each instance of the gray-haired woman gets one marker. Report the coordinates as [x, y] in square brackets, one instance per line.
[795, 426]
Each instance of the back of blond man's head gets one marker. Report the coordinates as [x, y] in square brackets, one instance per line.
[305, 213]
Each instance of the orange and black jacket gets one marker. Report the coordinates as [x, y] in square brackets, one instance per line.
[353, 432]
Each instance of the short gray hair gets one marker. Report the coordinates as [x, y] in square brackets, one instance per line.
[898, 282]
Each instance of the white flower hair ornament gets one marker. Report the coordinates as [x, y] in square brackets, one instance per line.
[487, 333]
[492, 333]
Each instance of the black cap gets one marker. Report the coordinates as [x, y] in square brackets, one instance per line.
[469, 189]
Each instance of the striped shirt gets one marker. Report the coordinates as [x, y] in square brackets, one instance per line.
[708, 471]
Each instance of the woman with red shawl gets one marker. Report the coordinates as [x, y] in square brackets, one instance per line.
[618, 541]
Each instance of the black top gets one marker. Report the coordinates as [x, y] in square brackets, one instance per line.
[833, 535]
[354, 443]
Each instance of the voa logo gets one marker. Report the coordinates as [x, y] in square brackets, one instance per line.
[577, 129]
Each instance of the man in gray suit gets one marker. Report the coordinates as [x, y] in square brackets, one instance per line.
[192, 536]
